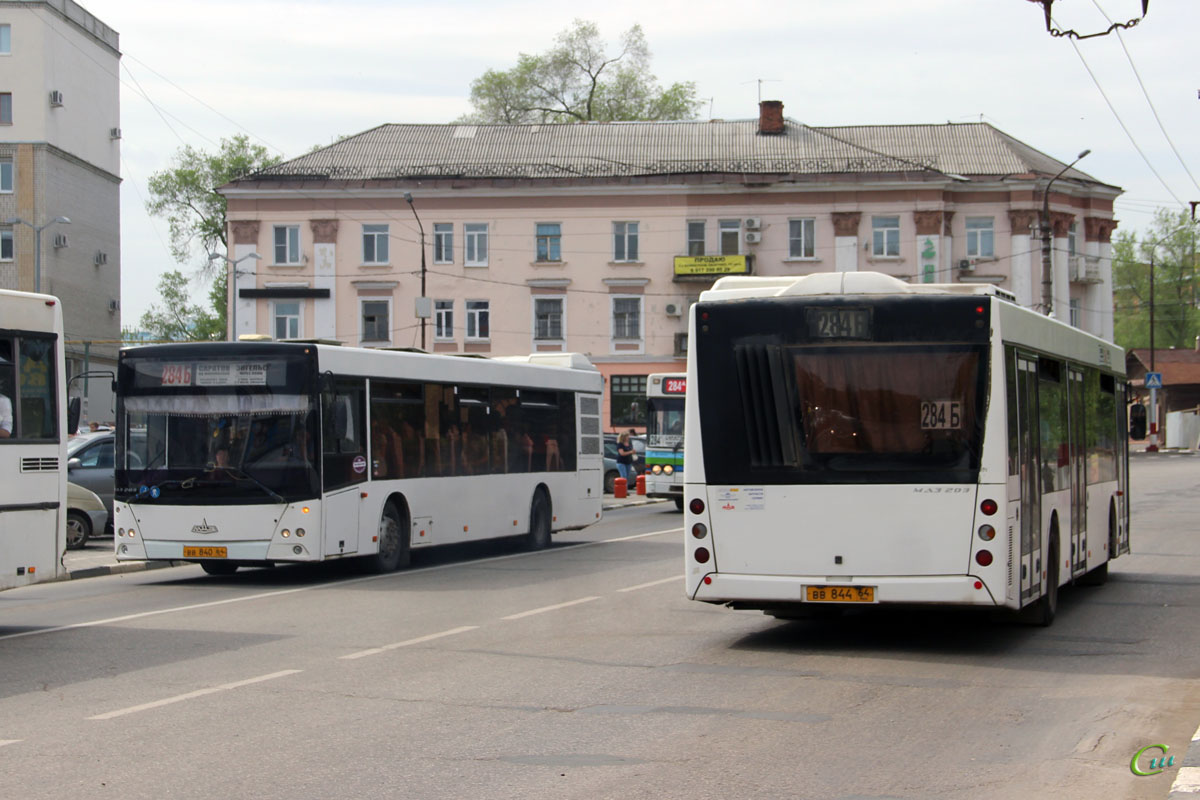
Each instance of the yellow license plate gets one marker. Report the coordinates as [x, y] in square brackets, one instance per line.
[205, 552]
[840, 594]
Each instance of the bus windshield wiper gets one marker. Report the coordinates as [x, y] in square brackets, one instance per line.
[238, 474]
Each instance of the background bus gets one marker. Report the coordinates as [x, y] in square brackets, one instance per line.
[33, 439]
[246, 453]
[854, 439]
[665, 394]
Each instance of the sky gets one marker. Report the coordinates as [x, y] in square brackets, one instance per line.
[292, 75]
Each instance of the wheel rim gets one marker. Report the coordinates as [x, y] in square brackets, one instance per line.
[76, 533]
[389, 537]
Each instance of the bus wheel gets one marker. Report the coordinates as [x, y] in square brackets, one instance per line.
[393, 542]
[79, 528]
[679, 503]
[1043, 611]
[218, 567]
[538, 537]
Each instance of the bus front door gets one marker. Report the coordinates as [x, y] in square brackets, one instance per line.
[1078, 454]
[1031, 485]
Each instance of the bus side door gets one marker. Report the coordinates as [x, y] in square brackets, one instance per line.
[344, 462]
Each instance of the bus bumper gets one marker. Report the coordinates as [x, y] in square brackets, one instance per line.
[769, 591]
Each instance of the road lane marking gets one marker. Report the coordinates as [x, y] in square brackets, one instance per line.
[407, 642]
[331, 584]
[544, 609]
[9, 741]
[198, 693]
[652, 583]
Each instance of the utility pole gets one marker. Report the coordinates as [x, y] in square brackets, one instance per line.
[422, 301]
[1047, 238]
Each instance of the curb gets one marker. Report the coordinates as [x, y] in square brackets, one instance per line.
[630, 503]
[119, 569]
[1187, 780]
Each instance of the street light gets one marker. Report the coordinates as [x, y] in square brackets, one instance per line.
[1047, 270]
[409, 199]
[37, 245]
[233, 273]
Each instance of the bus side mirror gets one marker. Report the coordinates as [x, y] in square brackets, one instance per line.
[74, 409]
[1137, 422]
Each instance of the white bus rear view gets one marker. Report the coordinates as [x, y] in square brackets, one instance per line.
[33, 439]
[251, 453]
[855, 440]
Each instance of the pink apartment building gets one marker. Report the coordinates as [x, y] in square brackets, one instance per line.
[596, 238]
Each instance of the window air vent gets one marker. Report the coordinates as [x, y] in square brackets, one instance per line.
[36, 464]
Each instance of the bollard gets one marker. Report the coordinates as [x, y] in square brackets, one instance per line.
[641, 484]
[620, 488]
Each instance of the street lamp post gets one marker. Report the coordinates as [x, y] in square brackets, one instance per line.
[233, 273]
[37, 245]
[1047, 267]
[409, 199]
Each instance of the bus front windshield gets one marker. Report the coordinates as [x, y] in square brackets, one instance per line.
[664, 422]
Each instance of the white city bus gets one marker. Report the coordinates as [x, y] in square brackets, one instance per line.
[665, 395]
[33, 439]
[251, 453]
[853, 439]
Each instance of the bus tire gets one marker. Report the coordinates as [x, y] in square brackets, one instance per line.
[1043, 612]
[79, 529]
[393, 542]
[679, 503]
[538, 537]
[218, 567]
[610, 481]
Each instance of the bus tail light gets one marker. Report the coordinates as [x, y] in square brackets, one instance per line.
[696, 506]
[699, 530]
[989, 507]
[983, 558]
[701, 555]
[987, 532]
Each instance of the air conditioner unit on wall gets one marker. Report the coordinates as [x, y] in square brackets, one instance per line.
[753, 223]
[967, 265]
[753, 237]
[56, 98]
[60, 240]
[673, 309]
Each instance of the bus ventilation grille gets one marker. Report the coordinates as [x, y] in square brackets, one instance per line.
[768, 392]
[39, 465]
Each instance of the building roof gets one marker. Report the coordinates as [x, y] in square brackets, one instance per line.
[1177, 366]
[632, 149]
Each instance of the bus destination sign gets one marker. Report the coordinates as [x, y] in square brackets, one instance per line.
[674, 385]
[838, 323]
[223, 373]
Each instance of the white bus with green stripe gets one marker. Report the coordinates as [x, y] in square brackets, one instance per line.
[665, 394]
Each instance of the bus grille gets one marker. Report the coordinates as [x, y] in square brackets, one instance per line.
[39, 464]
[768, 392]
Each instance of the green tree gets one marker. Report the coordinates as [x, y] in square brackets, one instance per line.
[577, 81]
[177, 320]
[1170, 245]
[185, 195]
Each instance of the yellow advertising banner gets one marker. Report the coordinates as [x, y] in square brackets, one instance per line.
[711, 265]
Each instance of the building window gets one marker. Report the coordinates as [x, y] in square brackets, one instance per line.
[6, 245]
[628, 400]
[478, 328]
[731, 236]
[285, 320]
[375, 325]
[287, 244]
[548, 319]
[885, 236]
[549, 241]
[695, 237]
[475, 235]
[443, 320]
[801, 233]
[375, 244]
[981, 236]
[1072, 241]
[5, 40]
[443, 243]
[1076, 311]
[625, 241]
[5, 108]
[627, 318]
[6, 175]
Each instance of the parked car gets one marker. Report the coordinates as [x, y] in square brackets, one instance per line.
[86, 516]
[611, 473]
[90, 459]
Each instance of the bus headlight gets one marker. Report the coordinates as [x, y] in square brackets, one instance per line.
[657, 469]
[668, 469]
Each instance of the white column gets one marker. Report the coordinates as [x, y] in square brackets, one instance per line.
[324, 277]
[247, 308]
[1021, 268]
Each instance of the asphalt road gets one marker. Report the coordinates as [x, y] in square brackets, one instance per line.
[581, 671]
